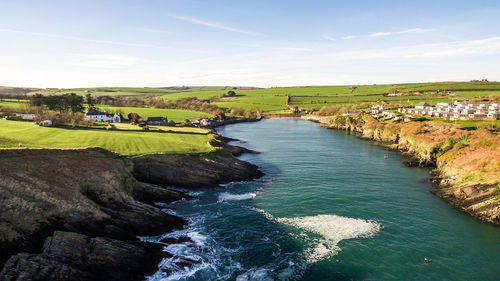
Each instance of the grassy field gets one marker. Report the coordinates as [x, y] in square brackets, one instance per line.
[468, 123]
[177, 115]
[117, 91]
[172, 114]
[12, 103]
[130, 143]
[131, 140]
[315, 97]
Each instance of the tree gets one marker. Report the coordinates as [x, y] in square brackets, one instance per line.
[134, 117]
[74, 102]
[52, 102]
[90, 101]
[36, 100]
[230, 94]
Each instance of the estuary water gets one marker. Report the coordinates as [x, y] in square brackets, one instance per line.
[331, 207]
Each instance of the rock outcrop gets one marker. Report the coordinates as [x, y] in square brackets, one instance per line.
[87, 208]
[194, 171]
[73, 256]
[91, 192]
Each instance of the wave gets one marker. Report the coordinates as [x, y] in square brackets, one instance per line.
[225, 196]
[328, 231]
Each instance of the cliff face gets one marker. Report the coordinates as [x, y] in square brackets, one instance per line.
[194, 171]
[467, 164]
[85, 191]
[73, 256]
[78, 212]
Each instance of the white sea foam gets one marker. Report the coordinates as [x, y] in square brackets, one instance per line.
[255, 274]
[226, 196]
[328, 231]
[198, 238]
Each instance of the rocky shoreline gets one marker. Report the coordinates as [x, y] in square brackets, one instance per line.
[463, 163]
[82, 210]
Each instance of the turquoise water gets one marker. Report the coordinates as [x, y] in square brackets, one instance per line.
[331, 207]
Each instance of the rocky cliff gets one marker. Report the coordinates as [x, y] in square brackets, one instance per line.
[87, 191]
[194, 170]
[466, 163]
[76, 214]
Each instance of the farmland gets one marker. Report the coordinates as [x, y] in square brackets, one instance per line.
[176, 115]
[309, 97]
[125, 142]
[315, 97]
[278, 100]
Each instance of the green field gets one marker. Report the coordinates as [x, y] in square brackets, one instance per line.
[130, 143]
[129, 139]
[13, 103]
[117, 91]
[315, 97]
[468, 123]
[177, 115]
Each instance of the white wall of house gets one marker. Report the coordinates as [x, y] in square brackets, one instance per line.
[104, 118]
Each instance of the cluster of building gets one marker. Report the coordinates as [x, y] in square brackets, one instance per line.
[460, 110]
[98, 116]
[298, 110]
[210, 122]
[378, 110]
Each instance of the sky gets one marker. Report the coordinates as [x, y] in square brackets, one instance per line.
[263, 43]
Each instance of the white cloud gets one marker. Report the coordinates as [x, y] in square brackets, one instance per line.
[108, 61]
[412, 30]
[486, 46]
[71, 38]
[276, 47]
[215, 25]
[349, 37]
[158, 31]
[328, 37]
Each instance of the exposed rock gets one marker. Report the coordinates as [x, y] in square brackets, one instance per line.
[180, 240]
[237, 150]
[86, 191]
[93, 192]
[221, 142]
[72, 256]
[194, 171]
[142, 219]
[150, 194]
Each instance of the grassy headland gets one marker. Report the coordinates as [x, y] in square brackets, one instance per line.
[125, 142]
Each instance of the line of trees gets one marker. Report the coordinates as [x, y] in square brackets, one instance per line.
[13, 96]
[70, 102]
[188, 104]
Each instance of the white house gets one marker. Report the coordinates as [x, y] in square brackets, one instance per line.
[103, 117]
[47, 123]
[376, 109]
[394, 94]
[422, 105]
[27, 116]
[443, 104]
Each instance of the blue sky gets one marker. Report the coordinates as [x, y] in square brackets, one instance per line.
[254, 43]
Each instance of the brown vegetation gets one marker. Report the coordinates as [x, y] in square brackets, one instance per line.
[467, 162]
